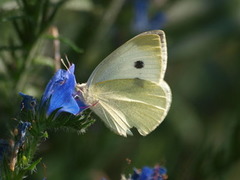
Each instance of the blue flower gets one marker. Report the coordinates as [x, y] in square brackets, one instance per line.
[61, 93]
[28, 102]
[142, 22]
[148, 173]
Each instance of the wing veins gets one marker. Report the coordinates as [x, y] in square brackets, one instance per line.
[134, 101]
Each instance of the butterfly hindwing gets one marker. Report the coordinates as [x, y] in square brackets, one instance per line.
[126, 103]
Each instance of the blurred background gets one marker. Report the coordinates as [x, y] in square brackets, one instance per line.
[199, 139]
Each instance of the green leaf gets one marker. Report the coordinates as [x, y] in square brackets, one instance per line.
[71, 122]
[32, 167]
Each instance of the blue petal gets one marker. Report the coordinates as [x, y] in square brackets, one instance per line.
[146, 173]
[61, 89]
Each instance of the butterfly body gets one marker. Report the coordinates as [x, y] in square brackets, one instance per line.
[127, 88]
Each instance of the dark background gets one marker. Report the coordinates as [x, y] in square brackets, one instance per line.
[200, 137]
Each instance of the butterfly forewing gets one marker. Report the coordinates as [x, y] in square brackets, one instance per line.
[143, 57]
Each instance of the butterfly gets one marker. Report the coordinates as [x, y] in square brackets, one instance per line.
[127, 89]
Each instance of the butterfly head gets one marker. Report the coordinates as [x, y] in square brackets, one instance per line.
[84, 96]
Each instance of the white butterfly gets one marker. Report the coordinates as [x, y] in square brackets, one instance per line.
[127, 88]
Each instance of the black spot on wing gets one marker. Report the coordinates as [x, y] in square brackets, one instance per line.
[139, 64]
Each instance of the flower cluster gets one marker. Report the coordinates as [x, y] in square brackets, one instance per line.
[148, 173]
[59, 108]
[60, 105]
[60, 94]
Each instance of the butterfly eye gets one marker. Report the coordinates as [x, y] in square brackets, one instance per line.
[139, 64]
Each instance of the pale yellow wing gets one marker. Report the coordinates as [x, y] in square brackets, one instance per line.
[126, 103]
[143, 57]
